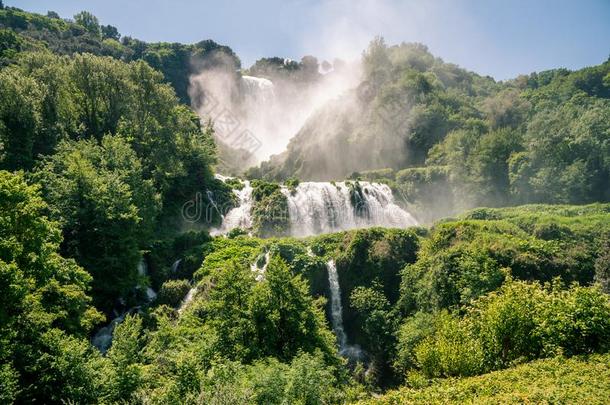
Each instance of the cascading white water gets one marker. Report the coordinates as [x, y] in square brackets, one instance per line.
[260, 271]
[142, 268]
[319, 207]
[336, 314]
[103, 337]
[143, 271]
[336, 309]
[175, 265]
[187, 299]
[316, 208]
[258, 91]
[210, 197]
[238, 217]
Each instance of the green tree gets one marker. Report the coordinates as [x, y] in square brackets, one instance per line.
[44, 307]
[89, 22]
[451, 351]
[110, 32]
[58, 111]
[377, 319]
[376, 61]
[20, 118]
[102, 93]
[106, 209]
[229, 312]
[125, 358]
[505, 323]
[566, 156]
[286, 318]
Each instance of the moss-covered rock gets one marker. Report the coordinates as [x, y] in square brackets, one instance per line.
[172, 292]
[270, 216]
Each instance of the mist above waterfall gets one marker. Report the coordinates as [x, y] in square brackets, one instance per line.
[259, 115]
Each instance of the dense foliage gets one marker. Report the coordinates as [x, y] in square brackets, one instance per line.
[432, 129]
[106, 193]
[116, 153]
[23, 31]
[45, 308]
[581, 379]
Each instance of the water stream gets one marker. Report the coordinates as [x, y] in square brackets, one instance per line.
[353, 352]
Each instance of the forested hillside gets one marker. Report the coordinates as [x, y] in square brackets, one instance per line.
[23, 31]
[131, 271]
[448, 139]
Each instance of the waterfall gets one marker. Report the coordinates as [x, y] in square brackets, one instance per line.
[320, 207]
[258, 91]
[150, 294]
[260, 271]
[103, 338]
[142, 268]
[336, 314]
[175, 265]
[187, 299]
[210, 196]
[238, 217]
[336, 310]
[143, 272]
[316, 208]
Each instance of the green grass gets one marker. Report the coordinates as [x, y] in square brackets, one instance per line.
[582, 380]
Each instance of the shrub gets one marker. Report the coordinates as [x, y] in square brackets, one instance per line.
[451, 351]
[575, 321]
[521, 321]
[172, 292]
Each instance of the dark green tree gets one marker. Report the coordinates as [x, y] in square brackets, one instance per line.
[89, 22]
[106, 209]
[110, 32]
[44, 307]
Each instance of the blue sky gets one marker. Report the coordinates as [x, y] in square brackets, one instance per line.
[499, 38]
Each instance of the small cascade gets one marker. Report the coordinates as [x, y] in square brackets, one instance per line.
[103, 338]
[238, 217]
[142, 268]
[175, 266]
[187, 299]
[150, 294]
[210, 196]
[260, 271]
[143, 272]
[352, 352]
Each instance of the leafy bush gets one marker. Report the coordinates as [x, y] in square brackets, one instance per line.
[172, 292]
[451, 350]
[465, 259]
[269, 209]
[519, 322]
